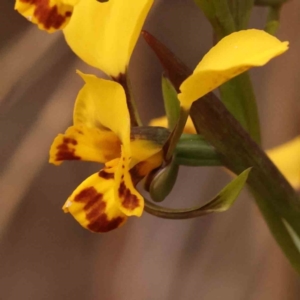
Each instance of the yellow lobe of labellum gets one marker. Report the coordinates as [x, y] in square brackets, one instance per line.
[84, 143]
[102, 104]
[130, 202]
[93, 203]
[287, 158]
[231, 56]
[49, 15]
[104, 34]
[163, 122]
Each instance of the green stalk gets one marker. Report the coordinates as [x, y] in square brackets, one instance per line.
[124, 80]
[227, 17]
[274, 195]
[245, 111]
[279, 231]
[273, 19]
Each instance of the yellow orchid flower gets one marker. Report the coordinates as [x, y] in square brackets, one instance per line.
[104, 34]
[231, 56]
[49, 15]
[101, 34]
[101, 133]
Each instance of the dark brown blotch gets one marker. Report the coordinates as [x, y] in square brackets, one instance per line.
[47, 15]
[105, 175]
[103, 224]
[129, 200]
[94, 208]
[65, 152]
[136, 172]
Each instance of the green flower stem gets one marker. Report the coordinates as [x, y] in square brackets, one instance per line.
[173, 214]
[172, 106]
[220, 203]
[193, 150]
[218, 14]
[245, 111]
[237, 94]
[273, 19]
[279, 231]
[170, 145]
[124, 80]
[241, 11]
[276, 199]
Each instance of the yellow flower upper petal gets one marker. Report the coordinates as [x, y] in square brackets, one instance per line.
[102, 103]
[104, 34]
[287, 158]
[49, 15]
[233, 55]
[83, 143]
[93, 203]
[163, 122]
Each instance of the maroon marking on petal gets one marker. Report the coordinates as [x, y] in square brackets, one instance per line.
[68, 14]
[65, 152]
[70, 141]
[106, 175]
[47, 15]
[136, 172]
[129, 200]
[102, 224]
[90, 197]
[94, 208]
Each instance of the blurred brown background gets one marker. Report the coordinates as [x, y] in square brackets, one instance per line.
[46, 255]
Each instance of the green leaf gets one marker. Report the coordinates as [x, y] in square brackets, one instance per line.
[225, 199]
[171, 102]
[163, 182]
[220, 203]
[193, 150]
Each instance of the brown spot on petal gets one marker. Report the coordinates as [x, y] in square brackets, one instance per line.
[137, 173]
[94, 208]
[129, 200]
[106, 175]
[65, 152]
[48, 15]
[102, 224]
[70, 141]
[90, 197]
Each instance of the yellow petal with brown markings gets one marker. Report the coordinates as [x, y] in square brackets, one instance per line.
[83, 143]
[143, 168]
[141, 150]
[49, 15]
[93, 203]
[130, 202]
